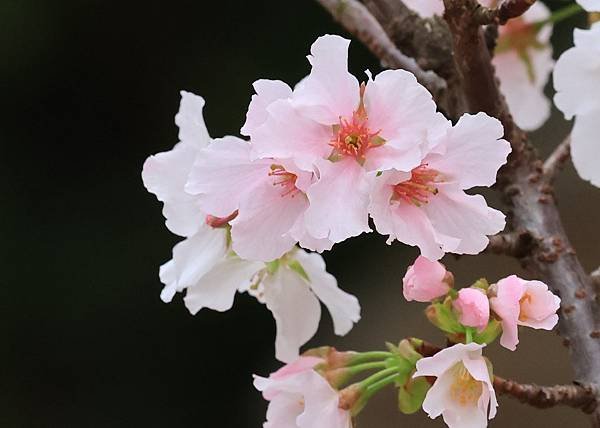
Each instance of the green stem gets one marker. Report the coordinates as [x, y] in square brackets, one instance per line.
[367, 366]
[560, 15]
[373, 379]
[368, 356]
[468, 335]
[381, 382]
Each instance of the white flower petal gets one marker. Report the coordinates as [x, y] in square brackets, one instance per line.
[329, 91]
[216, 289]
[165, 175]
[190, 120]
[585, 146]
[590, 5]
[296, 311]
[267, 91]
[223, 174]
[343, 307]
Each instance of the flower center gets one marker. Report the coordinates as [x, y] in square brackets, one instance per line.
[524, 303]
[284, 179]
[419, 188]
[353, 137]
[465, 390]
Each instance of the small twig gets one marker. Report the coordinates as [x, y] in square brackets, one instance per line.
[556, 161]
[543, 397]
[516, 244]
[508, 9]
[357, 20]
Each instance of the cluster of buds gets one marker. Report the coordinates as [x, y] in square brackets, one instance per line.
[480, 312]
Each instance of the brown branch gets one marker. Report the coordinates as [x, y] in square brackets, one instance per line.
[508, 9]
[543, 397]
[556, 161]
[532, 209]
[516, 244]
[357, 20]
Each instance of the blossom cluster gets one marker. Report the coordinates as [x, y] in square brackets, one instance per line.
[320, 160]
[457, 382]
[332, 157]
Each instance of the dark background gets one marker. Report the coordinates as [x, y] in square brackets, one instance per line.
[89, 90]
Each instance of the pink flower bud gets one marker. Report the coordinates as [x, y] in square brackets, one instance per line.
[426, 280]
[473, 308]
[521, 302]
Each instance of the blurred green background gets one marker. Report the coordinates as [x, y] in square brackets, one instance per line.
[89, 90]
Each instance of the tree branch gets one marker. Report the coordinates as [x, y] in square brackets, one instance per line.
[516, 244]
[357, 20]
[556, 161]
[508, 9]
[543, 397]
[552, 258]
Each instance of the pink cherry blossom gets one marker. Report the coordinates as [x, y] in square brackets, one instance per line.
[521, 302]
[343, 131]
[426, 280]
[463, 392]
[577, 82]
[301, 398]
[268, 194]
[428, 207]
[473, 308]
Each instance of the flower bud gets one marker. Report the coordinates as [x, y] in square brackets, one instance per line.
[426, 280]
[473, 308]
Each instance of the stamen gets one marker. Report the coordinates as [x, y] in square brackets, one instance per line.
[419, 188]
[465, 390]
[285, 179]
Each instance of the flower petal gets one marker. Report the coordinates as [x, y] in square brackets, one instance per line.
[296, 311]
[216, 289]
[343, 307]
[585, 146]
[267, 91]
[474, 151]
[338, 201]
[190, 120]
[329, 91]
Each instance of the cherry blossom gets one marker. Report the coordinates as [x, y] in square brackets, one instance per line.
[268, 196]
[426, 280]
[301, 398]
[204, 265]
[463, 392]
[577, 82]
[342, 131]
[473, 308]
[428, 207]
[527, 303]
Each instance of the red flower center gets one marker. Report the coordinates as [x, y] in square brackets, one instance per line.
[419, 188]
